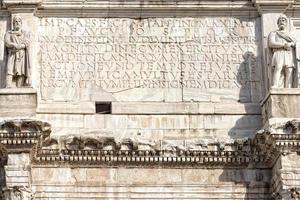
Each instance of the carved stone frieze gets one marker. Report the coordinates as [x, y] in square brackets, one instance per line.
[106, 150]
[99, 149]
[110, 151]
[262, 151]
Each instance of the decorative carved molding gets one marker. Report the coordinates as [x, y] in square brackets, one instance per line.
[22, 134]
[147, 8]
[108, 151]
[277, 140]
[262, 151]
[105, 150]
[19, 136]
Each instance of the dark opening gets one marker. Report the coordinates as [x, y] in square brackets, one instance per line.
[103, 107]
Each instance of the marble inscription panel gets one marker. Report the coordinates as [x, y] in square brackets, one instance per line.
[116, 55]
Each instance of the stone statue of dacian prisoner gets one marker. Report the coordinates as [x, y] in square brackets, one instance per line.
[18, 61]
[283, 56]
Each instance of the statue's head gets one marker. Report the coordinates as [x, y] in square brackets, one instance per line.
[282, 21]
[17, 23]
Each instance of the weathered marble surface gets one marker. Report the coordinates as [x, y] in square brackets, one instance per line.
[176, 73]
[213, 127]
[149, 183]
[286, 176]
[154, 59]
[18, 102]
[280, 105]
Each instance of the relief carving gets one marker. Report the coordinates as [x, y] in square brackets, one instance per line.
[82, 142]
[295, 193]
[104, 150]
[283, 56]
[292, 126]
[17, 193]
[18, 61]
[72, 142]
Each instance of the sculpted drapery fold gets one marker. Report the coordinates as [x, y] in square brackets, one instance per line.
[18, 61]
[283, 56]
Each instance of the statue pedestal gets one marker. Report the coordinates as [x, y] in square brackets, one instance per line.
[281, 104]
[17, 102]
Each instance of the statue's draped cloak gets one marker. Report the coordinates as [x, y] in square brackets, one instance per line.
[18, 62]
[281, 56]
[284, 57]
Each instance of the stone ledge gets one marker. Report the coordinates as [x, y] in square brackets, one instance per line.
[25, 90]
[143, 4]
[281, 91]
[145, 8]
[153, 108]
[18, 101]
[19, 3]
[184, 108]
[67, 108]
[273, 2]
